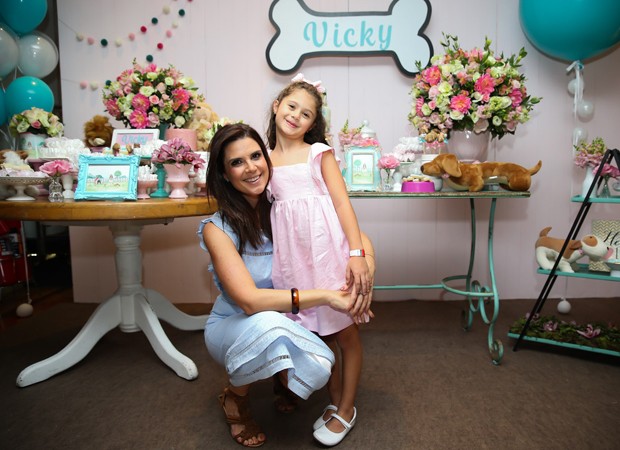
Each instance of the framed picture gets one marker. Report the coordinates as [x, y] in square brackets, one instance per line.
[609, 232]
[132, 137]
[362, 173]
[107, 177]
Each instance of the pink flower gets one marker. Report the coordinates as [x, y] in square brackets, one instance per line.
[388, 162]
[177, 151]
[140, 102]
[484, 85]
[432, 75]
[590, 332]
[516, 96]
[137, 119]
[460, 103]
[56, 167]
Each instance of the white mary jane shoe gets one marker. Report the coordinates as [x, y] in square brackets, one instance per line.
[318, 423]
[327, 437]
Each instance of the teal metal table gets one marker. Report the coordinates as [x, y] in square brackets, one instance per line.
[481, 299]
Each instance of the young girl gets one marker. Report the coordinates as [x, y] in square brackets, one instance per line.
[317, 240]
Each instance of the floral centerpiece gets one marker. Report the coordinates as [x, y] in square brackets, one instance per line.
[470, 90]
[177, 152]
[597, 334]
[590, 154]
[353, 137]
[212, 128]
[36, 121]
[147, 97]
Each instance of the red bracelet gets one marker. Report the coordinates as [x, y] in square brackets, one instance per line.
[295, 301]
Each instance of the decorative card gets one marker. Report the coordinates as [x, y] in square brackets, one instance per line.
[609, 231]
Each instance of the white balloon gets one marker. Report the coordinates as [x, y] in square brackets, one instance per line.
[579, 135]
[572, 86]
[8, 49]
[585, 109]
[38, 55]
[564, 306]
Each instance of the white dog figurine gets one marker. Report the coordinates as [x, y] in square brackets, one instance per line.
[548, 248]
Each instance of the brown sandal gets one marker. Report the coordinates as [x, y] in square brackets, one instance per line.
[286, 401]
[251, 428]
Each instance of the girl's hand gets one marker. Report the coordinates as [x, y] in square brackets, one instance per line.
[358, 276]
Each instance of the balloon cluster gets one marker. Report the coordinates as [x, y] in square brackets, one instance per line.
[30, 52]
[574, 31]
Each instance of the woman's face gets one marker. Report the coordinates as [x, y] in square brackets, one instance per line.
[246, 169]
[295, 114]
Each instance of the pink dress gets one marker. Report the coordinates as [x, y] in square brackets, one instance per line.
[310, 250]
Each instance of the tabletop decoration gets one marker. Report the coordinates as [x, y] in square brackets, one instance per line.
[588, 156]
[389, 164]
[596, 334]
[32, 126]
[211, 128]
[470, 90]
[608, 171]
[56, 169]
[147, 179]
[177, 158]
[151, 96]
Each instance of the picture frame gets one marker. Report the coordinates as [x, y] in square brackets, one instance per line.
[107, 177]
[362, 173]
[124, 137]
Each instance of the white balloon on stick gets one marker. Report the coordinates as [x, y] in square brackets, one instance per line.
[579, 135]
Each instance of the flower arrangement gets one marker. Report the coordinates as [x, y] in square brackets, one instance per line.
[388, 162]
[36, 121]
[213, 127]
[177, 151]
[597, 334]
[353, 137]
[590, 154]
[146, 97]
[56, 168]
[470, 90]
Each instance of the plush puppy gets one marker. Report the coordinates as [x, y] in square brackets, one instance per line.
[472, 176]
[548, 248]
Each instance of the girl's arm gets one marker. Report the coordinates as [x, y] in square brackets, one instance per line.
[358, 273]
[240, 286]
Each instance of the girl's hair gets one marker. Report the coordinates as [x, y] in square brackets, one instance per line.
[317, 132]
[249, 224]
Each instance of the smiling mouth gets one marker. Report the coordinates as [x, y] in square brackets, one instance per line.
[253, 179]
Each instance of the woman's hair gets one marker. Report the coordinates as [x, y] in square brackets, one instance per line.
[248, 223]
[316, 133]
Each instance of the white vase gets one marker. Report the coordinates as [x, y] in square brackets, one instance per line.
[67, 185]
[587, 181]
[469, 146]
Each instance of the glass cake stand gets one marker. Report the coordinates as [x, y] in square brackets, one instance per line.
[20, 184]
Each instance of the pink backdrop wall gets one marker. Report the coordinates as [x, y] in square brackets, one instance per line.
[221, 44]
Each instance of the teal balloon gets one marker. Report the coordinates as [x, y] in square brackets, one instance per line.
[2, 108]
[571, 30]
[23, 16]
[27, 92]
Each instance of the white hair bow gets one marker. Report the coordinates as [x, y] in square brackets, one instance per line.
[316, 84]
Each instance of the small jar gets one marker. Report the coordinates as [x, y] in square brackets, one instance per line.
[55, 190]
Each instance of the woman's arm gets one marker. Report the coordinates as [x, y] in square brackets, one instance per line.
[357, 270]
[240, 286]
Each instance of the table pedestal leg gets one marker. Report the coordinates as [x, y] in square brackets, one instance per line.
[132, 308]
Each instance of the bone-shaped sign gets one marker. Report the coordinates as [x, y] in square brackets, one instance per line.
[303, 33]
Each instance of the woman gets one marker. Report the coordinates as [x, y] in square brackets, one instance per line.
[246, 331]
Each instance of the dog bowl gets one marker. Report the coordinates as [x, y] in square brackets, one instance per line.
[418, 186]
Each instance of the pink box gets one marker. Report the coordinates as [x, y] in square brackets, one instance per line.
[418, 186]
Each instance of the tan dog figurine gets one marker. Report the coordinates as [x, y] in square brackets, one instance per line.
[548, 248]
[472, 176]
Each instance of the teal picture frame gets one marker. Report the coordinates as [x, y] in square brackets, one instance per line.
[107, 177]
[362, 173]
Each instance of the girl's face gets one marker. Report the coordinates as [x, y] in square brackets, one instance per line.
[245, 167]
[295, 114]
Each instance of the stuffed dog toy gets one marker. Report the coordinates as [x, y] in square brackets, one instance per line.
[98, 132]
[472, 176]
[548, 248]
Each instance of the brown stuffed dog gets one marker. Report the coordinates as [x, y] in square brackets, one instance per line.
[98, 132]
[472, 176]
